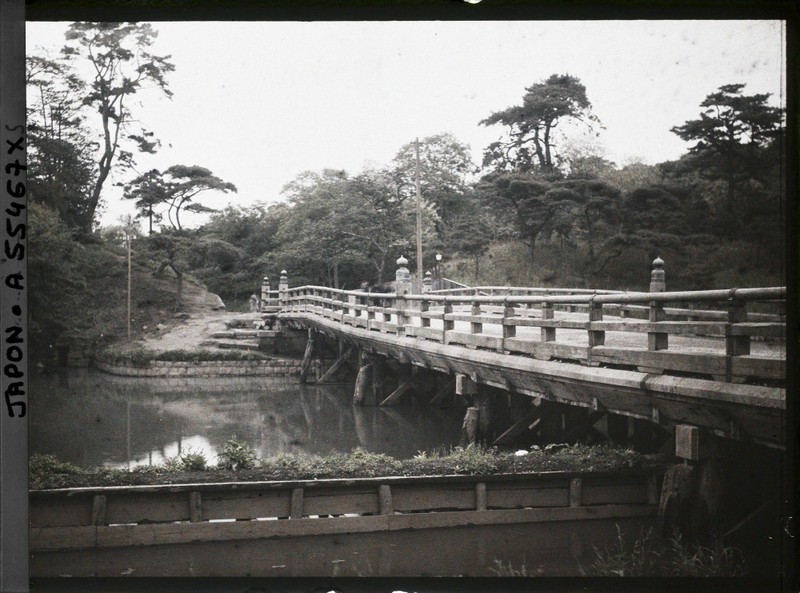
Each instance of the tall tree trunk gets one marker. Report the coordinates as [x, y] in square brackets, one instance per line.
[548, 156]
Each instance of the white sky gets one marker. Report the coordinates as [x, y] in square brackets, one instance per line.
[260, 102]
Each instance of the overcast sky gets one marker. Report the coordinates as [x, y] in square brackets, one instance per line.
[260, 102]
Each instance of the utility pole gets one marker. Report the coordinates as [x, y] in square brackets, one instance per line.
[128, 233]
[418, 283]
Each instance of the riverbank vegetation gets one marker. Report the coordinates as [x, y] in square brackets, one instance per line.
[649, 555]
[142, 357]
[238, 462]
[544, 208]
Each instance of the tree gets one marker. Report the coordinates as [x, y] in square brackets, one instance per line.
[174, 189]
[342, 230]
[122, 66]
[234, 250]
[596, 219]
[171, 249]
[149, 192]
[470, 237]
[535, 205]
[444, 167]
[730, 138]
[60, 166]
[530, 144]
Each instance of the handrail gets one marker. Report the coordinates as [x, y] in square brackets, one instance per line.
[507, 290]
[581, 296]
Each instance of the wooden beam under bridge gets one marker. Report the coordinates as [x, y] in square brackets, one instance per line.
[733, 410]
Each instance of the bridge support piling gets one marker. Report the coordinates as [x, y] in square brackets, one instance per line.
[617, 428]
[469, 429]
[378, 379]
[308, 355]
[478, 424]
[364, 392]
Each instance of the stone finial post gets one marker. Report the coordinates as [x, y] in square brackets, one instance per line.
[658, 281]
[657, 340]
[402, 287]
[402, 277]
[283, 286]
[264, 292]
[427, 282]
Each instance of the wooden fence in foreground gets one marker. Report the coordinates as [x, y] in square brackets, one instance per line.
[85, 518]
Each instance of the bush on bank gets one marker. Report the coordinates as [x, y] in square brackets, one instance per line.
[142, 357]
[239, 462]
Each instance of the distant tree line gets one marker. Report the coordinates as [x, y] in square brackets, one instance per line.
[540, 209]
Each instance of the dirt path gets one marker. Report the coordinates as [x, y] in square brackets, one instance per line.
[205, 317]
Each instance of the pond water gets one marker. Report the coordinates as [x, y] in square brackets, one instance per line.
[94, 419]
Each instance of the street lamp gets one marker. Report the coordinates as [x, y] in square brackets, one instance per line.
[437, 272]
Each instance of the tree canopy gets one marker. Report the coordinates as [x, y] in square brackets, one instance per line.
[174, 190]
[529, 143]
[729, 141]
[123, 66]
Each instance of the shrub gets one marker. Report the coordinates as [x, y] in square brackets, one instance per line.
[142, 357]
[205, 355]
[46, 471]
[237, 455]
[191, 461]
[361, 462]
[136, 357]
[472, 459]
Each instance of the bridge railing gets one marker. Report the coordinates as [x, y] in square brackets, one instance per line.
[624, 329]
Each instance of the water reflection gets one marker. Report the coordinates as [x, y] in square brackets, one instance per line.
[93, 419]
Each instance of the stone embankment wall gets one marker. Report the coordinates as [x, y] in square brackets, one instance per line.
[209, 368]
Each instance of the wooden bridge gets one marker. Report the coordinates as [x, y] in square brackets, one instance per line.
[692, 362]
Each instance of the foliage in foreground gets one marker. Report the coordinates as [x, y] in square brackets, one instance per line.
[650, 556]
[238, 458]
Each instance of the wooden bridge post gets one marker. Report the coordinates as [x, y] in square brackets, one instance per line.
[424, 307]
[596, 338]
[736, 345]
[378, 379]
[548, 333]
[465, 386]
[509, 331]
[308, 355]
[478, 420]
[364, 380]
[447, 324]
[476, 327]
[370, 312]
